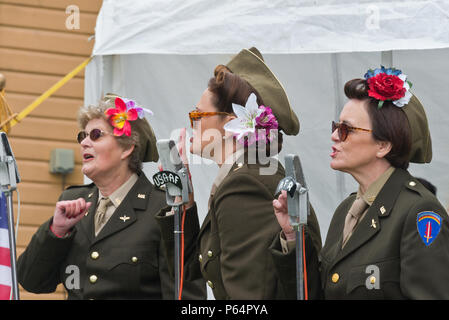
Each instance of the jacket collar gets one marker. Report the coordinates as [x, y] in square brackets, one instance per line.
[381, 208]
[125, 214]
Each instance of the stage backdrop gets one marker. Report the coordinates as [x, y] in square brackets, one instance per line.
[162, 54]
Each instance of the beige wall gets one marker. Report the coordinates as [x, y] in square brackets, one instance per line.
[36, 51]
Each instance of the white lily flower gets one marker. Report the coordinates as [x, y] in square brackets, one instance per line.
[407, 96]
[246, 117]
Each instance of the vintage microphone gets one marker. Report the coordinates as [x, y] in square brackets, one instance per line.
[298, 210]
[177, 187]
[9, 177]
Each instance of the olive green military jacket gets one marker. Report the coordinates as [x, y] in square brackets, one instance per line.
[125, 260]
[388, 256]
[232, 248]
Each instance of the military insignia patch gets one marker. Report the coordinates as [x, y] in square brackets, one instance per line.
[429, 225]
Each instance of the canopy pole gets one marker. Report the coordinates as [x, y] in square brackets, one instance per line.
[338, 101]
[386, 58]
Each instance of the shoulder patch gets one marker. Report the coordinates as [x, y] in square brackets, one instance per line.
[429, 226]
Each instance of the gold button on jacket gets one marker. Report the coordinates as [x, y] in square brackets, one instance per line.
[371, 264]
[126, 258]
[235, 237]
[95, 255]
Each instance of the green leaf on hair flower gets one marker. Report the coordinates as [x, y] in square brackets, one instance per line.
[380, 104]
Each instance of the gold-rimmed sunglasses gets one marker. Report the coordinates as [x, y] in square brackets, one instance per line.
[197, 115]
[94, 135]
[344, 129]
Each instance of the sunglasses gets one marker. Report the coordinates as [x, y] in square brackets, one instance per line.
[197, 115]
[94, 135]
[344, 129]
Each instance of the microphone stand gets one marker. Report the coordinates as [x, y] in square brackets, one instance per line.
[177, 227]
[177, 183]
[298, 210]
[9, 177]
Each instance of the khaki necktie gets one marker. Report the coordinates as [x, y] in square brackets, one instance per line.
[353, 216]
[100, 214]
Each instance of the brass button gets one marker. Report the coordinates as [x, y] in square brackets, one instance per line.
[210, 254]
[93, 278]
[134, 259]
[372, 280]
[95, 255]
[412, 183]
[335, 277]
[200, 258]
[210, 284]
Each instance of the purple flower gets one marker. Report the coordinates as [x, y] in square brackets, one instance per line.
[267, 119]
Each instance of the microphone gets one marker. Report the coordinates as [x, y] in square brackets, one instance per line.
[174, 175]
[295, 185]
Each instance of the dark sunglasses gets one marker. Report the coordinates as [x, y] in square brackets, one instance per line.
[94, 135]
[344, 129]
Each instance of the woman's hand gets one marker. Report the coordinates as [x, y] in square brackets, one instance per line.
[281, 211]
[185, 161]
[67, 214]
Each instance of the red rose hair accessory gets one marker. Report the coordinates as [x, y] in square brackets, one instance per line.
[388, 85]
[125, 111]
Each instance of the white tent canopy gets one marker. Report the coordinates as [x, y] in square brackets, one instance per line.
[162, 53]
[274, 26]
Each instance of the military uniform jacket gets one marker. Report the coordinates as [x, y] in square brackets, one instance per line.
[232, 248]
[386, 257]
[125, 260]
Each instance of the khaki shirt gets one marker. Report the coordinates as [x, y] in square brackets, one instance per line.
[116, 198]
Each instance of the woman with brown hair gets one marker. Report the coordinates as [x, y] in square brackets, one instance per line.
[390, 239]
[236, 123]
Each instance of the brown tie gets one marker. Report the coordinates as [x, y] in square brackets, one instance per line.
[353, 216]
[100, 214]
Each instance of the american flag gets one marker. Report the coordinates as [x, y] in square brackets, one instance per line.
[5, 258]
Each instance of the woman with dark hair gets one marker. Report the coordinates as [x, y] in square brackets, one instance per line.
[236, 123]
[390, 239]
[102, 241]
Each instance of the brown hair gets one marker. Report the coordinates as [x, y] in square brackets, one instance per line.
[229, 88]
[389, 123]
[85, 114]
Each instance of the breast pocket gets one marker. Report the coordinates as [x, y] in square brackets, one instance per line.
[132, 266]
[378, 280]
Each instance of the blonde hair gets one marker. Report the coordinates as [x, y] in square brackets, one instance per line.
[88, 113]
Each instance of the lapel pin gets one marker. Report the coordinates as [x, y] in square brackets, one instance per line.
[141, 196]
[90, 195]
[124, 218]
[373, 223]
[382, 210]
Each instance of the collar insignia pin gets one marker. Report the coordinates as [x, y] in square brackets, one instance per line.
[124, 218]
[141, 196]
[382, 210]
[373, 223]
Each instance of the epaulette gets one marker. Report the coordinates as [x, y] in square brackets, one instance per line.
[79, 186]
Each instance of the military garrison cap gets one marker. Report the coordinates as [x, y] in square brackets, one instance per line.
[421, 142]
[250, 66]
